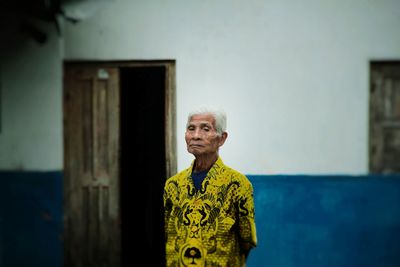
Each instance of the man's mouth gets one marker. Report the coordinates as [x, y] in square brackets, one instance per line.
[195, 145]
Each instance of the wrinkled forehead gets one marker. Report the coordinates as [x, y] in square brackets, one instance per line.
[202, 119]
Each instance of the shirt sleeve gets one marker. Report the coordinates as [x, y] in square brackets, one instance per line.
[167, 208]
[246, 216]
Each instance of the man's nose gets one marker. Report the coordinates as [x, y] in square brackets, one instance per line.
[197, 134]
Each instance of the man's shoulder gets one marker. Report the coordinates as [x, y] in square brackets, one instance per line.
[236, 175]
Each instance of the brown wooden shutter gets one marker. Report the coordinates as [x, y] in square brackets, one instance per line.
[385, 118]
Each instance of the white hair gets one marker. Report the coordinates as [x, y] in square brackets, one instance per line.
[219, 116]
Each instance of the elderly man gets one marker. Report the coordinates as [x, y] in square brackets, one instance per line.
[209, 207]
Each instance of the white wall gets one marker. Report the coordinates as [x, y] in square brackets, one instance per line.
[31, 98]
[292, 76]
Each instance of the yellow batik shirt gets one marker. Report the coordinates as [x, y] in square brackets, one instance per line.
[208, 227]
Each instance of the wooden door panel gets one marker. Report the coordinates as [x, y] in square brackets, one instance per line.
[92, 234]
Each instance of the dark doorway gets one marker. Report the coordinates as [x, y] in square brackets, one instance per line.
[142, 164]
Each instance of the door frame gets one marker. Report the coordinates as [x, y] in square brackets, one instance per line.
[169, 113]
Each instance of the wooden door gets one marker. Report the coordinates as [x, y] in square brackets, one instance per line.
[91, 182]
[385, 118]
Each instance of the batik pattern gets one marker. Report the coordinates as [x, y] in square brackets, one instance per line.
[207, 227]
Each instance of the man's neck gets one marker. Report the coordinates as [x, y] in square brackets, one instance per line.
[204, 163]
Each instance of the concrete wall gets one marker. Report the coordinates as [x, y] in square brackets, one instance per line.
[319, 221]
[31, 218]
[292, 76]
[31, 96]
[326, 221]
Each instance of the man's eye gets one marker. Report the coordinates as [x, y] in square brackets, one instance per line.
[206, 129]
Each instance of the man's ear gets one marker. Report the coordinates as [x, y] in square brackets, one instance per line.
[223, 137]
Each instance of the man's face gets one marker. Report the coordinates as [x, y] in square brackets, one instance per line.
[201, 136]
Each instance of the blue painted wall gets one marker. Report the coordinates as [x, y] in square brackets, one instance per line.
[31, 219]
[327, 221]
[301, 220]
